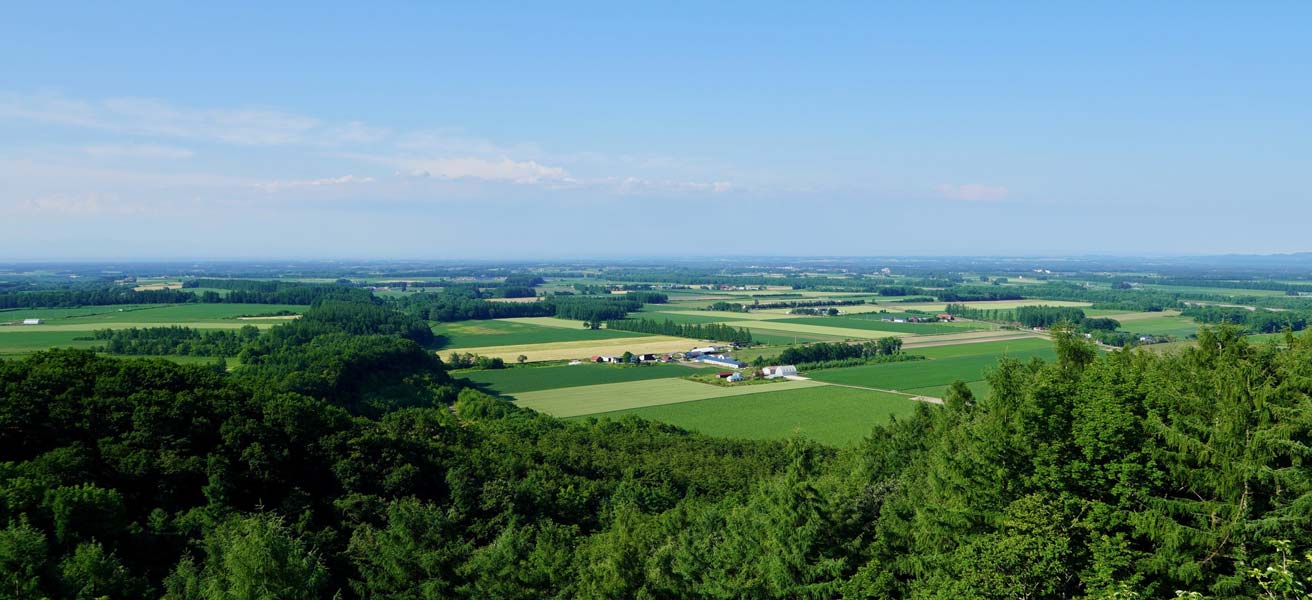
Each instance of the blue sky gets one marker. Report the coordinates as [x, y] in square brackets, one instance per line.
[529, 130]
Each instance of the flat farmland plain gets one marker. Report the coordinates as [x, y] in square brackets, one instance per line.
[832, 415]
[592, 399]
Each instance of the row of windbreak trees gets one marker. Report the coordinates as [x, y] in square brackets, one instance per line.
[354, 318]
[177, 341]
[698, 331]
[469, 304]
[1028, 316]
[1256, 321]
[249, 292]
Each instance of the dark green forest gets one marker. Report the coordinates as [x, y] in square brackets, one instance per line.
[343, 460]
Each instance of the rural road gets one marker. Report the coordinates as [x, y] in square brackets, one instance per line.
[929, 399]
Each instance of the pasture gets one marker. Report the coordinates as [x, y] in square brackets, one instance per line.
[1174, 326]
[610, 397]
[517, 380]
[994, 348]
[906, 376]
[506, 332]
[831, 415]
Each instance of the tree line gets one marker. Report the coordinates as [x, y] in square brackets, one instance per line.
[698, 331]
[838, 351]
[177, 340]
[469, 304]
[1256, 321]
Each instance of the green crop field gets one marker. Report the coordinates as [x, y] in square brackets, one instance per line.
[504, 332]
[872, 322]
[15, 341]
[517, 380]
[766, 336]
[1000, 348]
[832, 415]
[193, 315]
[788, 328]
[648, 312]
[608, 397]
[1178, 327]
[922, 373]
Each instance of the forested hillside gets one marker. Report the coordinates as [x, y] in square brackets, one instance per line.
[342, 459]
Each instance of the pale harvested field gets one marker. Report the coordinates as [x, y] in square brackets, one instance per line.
[517, 300]
[1136, 316]
[97, 325]
[842, 310]
[176, 285]
[274, 318]
[655, 344]
[608, 397]
[974, 337]
[546, 322]
[784, 326]
[993, 304]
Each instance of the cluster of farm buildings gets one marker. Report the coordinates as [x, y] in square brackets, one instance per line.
[709, 355]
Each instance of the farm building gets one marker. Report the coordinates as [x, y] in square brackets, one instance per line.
[645, 357]
[721, 361]
[703, 350]
[946, 317]
[736, 377]
[779, 371]
[724, 374]
[32, 321]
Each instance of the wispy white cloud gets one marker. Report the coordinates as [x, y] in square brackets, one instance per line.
[151, 117]
[504, 169]
[151, 151]
[436, 155]
[973, 192]
[274, 186]
[90, 204]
